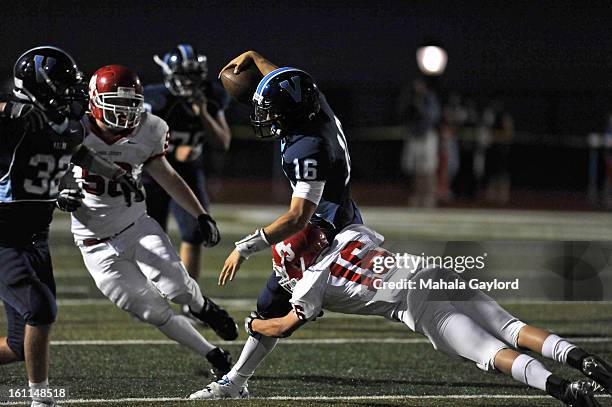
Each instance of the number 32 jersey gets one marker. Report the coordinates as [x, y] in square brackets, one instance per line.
[104, 211]
[31, 166]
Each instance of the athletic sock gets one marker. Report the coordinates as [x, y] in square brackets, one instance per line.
[556, 348]
[254, 352]
[36, 391]
[197, 299]
[180, 330]
[529, 371]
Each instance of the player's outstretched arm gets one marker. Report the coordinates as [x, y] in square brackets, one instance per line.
[162, 172]
[296, 218]
[242, 61]
[299, 213]
[277, 327]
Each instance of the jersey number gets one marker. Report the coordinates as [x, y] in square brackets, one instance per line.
[366, 274]
[96, 184]
[307, 169]
[48, 174]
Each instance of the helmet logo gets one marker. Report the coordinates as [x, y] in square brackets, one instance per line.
[38, 60]
[124, 92]
[294, 90]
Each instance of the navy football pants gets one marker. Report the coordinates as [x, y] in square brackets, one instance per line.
[273, 300]
[27, 288]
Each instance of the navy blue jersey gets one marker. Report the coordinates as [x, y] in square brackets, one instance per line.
[319, 152]
[31, 166]
[186, 128]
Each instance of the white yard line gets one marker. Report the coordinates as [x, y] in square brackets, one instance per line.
[314, 341]
[319, 398]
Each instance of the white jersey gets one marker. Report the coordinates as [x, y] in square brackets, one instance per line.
[104, 211]
[344, 278]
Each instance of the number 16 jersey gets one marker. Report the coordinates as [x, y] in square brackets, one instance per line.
[104, 211]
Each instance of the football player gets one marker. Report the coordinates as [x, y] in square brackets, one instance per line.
[289, 107]
[350, 277]
[126, 252]
[39, 130]
[193, 106]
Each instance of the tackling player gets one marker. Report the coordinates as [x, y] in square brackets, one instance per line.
[126, 252]
[193, 106]
[39, 130]
[315, 158]
[344, 278]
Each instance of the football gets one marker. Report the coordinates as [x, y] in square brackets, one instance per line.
[242, 86]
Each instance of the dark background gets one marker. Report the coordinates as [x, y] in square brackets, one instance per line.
[548, 61]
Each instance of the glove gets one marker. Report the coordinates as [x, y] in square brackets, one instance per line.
[69, 200]
[248, 321]
[129, 186]
[209, 230]
[33, 118]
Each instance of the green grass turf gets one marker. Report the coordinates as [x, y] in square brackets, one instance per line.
[306, 370]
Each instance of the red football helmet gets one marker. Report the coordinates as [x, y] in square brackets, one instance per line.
[291, 257]
[116, 97]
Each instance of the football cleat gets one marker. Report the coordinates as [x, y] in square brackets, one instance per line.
[218, 319]
[598, 370]
[580, 394]
[221, 389]
[221, 362]
[49, 403]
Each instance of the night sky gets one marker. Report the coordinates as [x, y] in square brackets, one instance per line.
[537, 55]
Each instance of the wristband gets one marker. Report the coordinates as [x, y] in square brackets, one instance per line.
[252, 244]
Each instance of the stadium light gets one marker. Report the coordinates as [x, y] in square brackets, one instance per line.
[432, 60]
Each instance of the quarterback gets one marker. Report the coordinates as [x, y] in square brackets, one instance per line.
[289, 107]
[464, 323]
[126, 252]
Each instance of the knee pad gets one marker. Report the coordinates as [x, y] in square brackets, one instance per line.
[157, 317]
[42, 309]
[510, 332]
[184, 293]
[146, 306]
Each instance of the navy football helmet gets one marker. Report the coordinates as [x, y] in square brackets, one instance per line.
[284, 100]
[49, 78]
[184, 70]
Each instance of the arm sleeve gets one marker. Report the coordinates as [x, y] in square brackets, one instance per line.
[307, 298]
[309, 190]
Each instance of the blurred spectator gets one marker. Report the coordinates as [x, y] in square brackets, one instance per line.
[501, 131]
[600, 167]
[449, 147]
[472, 139]
[419, 110]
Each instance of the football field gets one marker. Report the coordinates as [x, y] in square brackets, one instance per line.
[101, 356]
